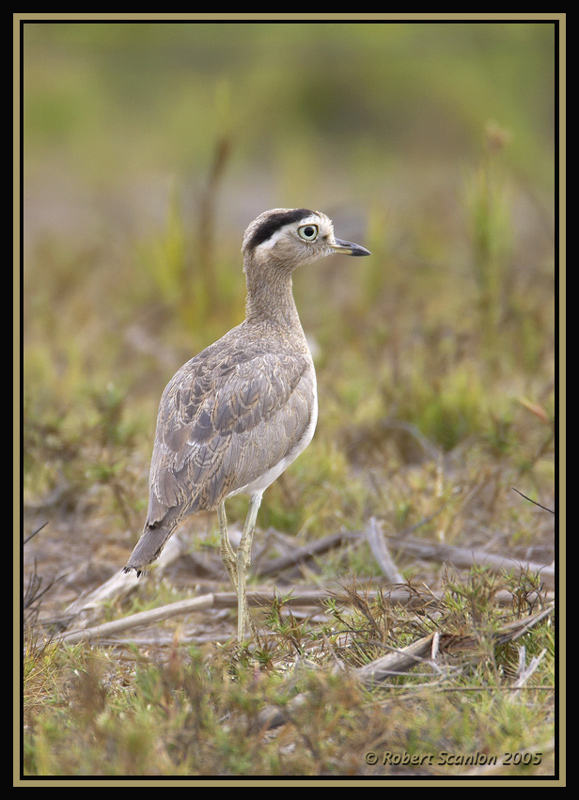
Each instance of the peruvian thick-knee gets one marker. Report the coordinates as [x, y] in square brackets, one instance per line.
[236, 415]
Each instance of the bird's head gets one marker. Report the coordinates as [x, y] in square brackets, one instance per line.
[290, 237]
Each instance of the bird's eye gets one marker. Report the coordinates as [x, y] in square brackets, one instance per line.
[308, 232]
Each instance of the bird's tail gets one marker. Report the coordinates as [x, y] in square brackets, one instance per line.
[149, 547]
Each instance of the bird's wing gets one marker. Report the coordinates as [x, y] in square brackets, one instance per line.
[221, 423]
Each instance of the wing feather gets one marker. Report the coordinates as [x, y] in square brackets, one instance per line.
[223, 420]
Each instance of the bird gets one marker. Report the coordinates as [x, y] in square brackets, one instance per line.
[238, 413]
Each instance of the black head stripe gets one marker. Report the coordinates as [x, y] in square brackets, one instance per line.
[274, 222]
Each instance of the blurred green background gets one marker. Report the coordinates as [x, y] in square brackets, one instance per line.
[148, 148]
[356, 115]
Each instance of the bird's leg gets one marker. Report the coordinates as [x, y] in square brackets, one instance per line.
[225, 549]
[243, 561]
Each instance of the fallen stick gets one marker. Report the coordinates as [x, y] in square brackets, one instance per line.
[463, 557]
[302, 554]
[378, 546]
[117, 626]
[215, 600]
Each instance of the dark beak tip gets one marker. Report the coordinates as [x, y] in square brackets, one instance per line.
[351, 248]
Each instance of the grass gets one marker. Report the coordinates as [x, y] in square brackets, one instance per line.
[195, 710]
[435, 362]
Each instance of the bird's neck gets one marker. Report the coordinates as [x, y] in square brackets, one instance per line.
[271, 301]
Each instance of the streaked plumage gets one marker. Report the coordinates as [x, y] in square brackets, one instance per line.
[237, 414]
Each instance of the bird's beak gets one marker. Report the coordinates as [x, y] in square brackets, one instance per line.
[349, 248]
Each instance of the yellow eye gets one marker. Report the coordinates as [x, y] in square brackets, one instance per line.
[308, 233]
